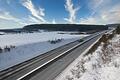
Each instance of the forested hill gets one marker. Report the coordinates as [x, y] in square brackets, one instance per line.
[65, 27]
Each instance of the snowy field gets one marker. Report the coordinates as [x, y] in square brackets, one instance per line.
[28, 38]
[103, 64]
[29, 45]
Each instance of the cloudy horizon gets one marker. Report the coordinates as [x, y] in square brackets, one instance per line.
[18, 13]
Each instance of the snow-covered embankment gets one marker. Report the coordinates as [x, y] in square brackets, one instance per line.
[102, 64]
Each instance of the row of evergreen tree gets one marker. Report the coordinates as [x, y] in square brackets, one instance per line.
[118, 30]
[55, 41]
[6, 48]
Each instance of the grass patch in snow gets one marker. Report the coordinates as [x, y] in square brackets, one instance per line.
[104, 39]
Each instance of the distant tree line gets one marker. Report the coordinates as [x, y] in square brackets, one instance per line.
[56, 27]
[118, 30]
[6, 48]
[65, 27]
[55, 41]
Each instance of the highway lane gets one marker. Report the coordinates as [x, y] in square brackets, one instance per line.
[53, 69]
[41, 60]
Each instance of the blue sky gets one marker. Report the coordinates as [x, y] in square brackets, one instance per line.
[18, 13]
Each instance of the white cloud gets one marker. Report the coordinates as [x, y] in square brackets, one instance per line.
[103, 13]
[89, 20]
[93, 4]
[25, 21]
[32, 19]
[53, 22]
[97, 5]
[9, 21]
[72, 11]
[38, 14]
[112, 15]
[7, 16]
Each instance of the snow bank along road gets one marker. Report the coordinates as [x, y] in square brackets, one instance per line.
[49, 65]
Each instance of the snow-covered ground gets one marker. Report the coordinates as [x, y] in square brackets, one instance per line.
[29, 45]
[103, 64]
[27, 38]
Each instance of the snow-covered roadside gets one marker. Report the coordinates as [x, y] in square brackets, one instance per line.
[26, 49]
[103, 64]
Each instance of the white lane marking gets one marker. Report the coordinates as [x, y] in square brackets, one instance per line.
[55, 57]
